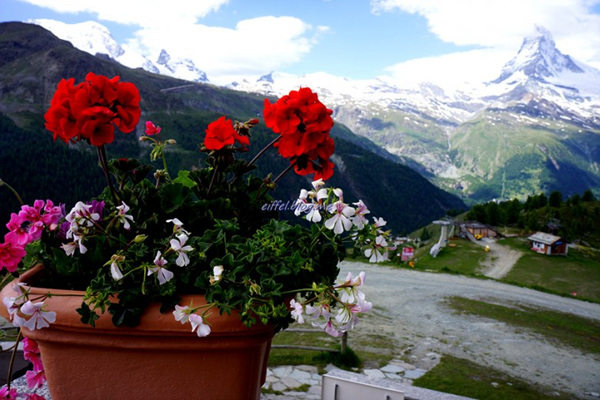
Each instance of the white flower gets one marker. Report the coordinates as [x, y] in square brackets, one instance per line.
[69, 248]
[163, 274]
[339, 193]
[115, 271]
[178, 246]
[378, 252]
[80, 219]
[297, 310]
[182, 314]
[178, 226]
[198, 323]
[39, 318]
[319, 183]
[359, 220]
[123, 217]
[217, 273]
[340, 220]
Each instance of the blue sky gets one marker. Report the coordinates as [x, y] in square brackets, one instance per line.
[358, 39]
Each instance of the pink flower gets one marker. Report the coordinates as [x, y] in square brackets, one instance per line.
[34, 396]
[18, 230]
[11, 255]
[35, 379]
[31, 352]
[8, 394]
[152, 129]
[331, 330]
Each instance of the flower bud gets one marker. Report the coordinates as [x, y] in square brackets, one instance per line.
[139, 238]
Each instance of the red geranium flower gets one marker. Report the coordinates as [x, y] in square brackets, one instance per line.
[220, 133]
[91, 109]
[304, 124]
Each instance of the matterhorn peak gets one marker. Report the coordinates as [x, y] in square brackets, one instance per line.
[538, 59]
[163, 58]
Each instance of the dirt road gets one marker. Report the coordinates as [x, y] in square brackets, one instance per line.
[410, 309]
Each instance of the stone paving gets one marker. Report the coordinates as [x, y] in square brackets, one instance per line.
[304, 381]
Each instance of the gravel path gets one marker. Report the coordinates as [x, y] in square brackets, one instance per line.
[410, 309]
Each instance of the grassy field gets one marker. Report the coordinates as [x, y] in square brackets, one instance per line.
[465, 378]
[459, 257]
[564, 329]
[576, 274]
[373, 351]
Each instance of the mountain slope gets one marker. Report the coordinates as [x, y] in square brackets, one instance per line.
[32, 61]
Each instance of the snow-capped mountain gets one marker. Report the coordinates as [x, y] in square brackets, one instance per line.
[95, 38]
[534, 128]
[539, 69]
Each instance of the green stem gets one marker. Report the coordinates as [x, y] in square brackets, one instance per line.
[164, 160]
[104, 164]
[212, 180]
[2, 183]
[12, 359]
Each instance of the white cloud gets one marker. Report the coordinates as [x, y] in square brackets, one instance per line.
[137, 12]
[451, 71]
[255, 46]
[502, 24]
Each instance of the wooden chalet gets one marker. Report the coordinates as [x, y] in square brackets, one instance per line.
[546, 243]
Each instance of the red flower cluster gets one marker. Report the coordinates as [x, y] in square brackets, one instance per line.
[304, 124]
[91, 109]
[220, 133]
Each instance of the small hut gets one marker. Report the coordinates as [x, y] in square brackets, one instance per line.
[545, 243]
[480, 230]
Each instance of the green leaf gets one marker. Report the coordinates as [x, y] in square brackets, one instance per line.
[184, 179]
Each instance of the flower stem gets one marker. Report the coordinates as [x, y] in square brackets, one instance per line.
[12, 359]
[267, 147]
[285, 171]
[2, 183]
[212, 180]
[104, 164]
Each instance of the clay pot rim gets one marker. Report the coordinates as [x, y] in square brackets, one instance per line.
[153, 322]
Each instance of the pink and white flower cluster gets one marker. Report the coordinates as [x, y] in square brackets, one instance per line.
[335, 314]
[328, 204]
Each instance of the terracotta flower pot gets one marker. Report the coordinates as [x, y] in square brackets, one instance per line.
[159, 359]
